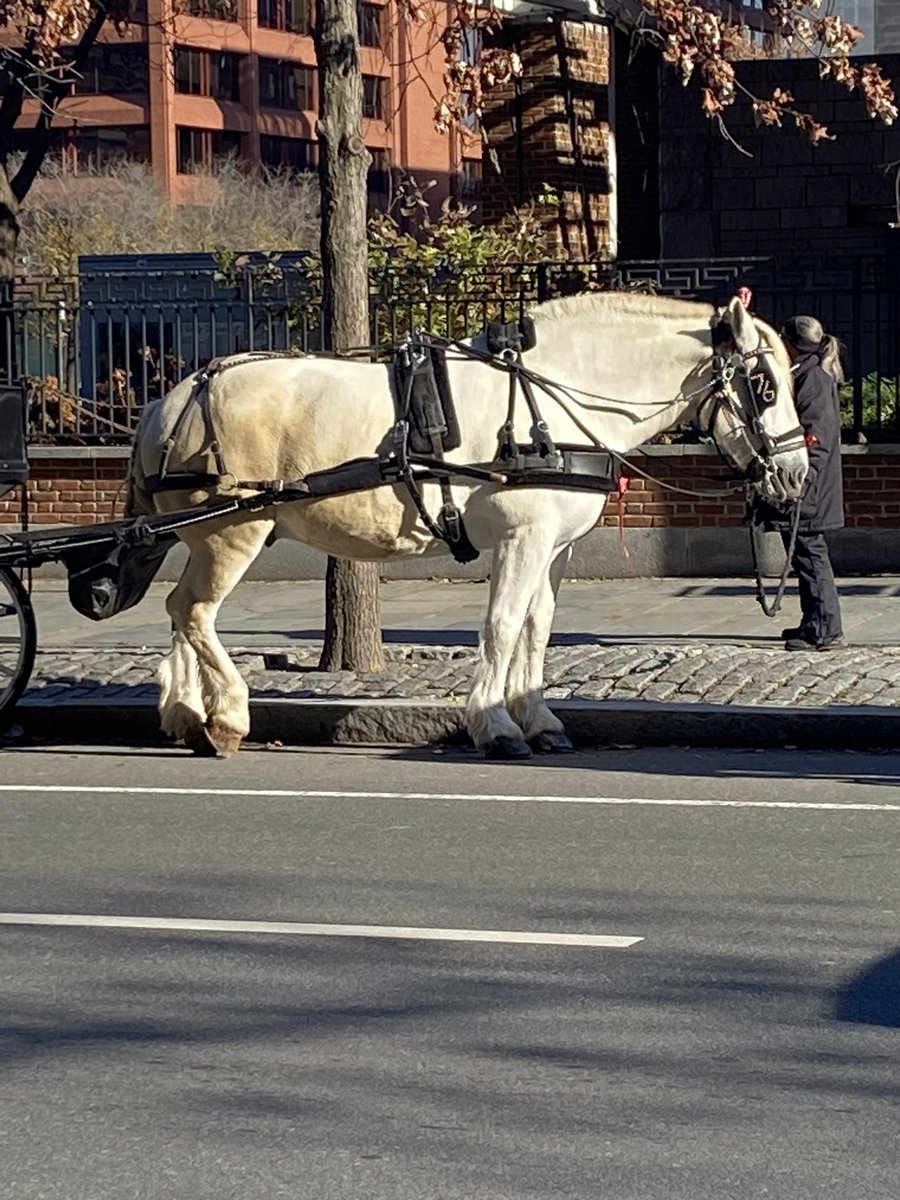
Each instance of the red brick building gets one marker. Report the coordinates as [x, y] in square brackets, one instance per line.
[194, 82]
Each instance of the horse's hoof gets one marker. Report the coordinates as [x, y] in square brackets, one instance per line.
[507, 746]
[224, 739]
[551, 741]
[199, 742]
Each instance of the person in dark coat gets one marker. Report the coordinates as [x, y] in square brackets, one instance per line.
[817, 372]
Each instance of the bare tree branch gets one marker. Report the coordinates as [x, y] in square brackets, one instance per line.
[57, 89]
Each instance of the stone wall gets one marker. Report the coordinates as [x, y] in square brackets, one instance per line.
[788, 197]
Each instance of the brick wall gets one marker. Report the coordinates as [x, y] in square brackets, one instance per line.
[80, 491]
[552, 127]
[871, 491]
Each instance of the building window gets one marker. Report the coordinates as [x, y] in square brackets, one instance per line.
[287, 154]
[369, 21]
[97, 148]
[114, 71]
[468, 181]
[93, 149]
[290, 16]
[225, 148]
[205, 73]
[225, 76]
[373, 97]
[188, 71]
[191, 150]
[221, 10]
[203, 151]
[286, 85]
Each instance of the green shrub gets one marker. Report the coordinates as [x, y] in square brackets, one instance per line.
[880, 405]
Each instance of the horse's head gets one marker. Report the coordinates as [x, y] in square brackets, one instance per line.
[750, 411]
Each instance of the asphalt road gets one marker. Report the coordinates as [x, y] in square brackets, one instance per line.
[747, 1046]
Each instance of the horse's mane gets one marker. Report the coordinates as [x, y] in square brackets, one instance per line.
[612, 305]
[625, 304]
[771, 338]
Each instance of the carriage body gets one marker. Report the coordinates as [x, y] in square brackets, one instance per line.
[13, 446]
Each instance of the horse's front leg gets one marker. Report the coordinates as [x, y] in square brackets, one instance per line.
[182, 714]
[543, 730]
[213, 716]
[518, 562]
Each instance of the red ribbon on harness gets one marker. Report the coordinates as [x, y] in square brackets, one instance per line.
[621, 488]
[811, 439]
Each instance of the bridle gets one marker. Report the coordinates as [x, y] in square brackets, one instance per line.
[745, 419]
[760, 391]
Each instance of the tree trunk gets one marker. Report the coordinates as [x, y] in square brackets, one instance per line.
[9, 231]
[9, 239]
[352, 616]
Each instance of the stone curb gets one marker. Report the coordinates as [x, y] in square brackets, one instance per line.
[591, 724]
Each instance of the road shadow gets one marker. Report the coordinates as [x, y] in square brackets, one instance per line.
[872, 996]
[749, 589]
[469, 637]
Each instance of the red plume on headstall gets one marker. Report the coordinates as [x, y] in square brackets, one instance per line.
[745, 296]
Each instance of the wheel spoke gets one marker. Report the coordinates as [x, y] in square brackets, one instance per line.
[17, 643]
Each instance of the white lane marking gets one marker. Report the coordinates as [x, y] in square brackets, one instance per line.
[302, 929]
[474, 797]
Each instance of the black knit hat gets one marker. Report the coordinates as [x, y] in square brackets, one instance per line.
[804, 333]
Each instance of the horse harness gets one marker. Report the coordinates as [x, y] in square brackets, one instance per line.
[427, 427]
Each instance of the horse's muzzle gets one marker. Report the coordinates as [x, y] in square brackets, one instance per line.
[780, 480]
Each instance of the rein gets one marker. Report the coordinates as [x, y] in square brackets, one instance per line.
[552, 388]
[771, 610]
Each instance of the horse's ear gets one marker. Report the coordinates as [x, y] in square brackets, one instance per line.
[743, 327]
[720, 326]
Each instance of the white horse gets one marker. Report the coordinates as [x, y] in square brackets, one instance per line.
[624, 367]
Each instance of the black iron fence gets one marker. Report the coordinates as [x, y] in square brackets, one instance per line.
[94, 351]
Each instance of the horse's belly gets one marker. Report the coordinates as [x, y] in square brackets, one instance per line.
[371, 525]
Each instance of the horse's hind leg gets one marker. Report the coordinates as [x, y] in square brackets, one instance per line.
[206, 700]
[524, 690]
[518, 562]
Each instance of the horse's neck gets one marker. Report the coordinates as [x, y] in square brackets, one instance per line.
[622, 388]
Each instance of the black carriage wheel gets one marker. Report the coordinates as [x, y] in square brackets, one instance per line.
[18, 643]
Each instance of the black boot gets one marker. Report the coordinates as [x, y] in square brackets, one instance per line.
[836, 642]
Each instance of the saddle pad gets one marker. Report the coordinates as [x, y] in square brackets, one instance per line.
[423, 399]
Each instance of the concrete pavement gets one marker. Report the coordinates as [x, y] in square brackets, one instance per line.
[646, 661]
[745, 1048]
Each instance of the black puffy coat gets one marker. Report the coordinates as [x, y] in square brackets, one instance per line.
[818, 407]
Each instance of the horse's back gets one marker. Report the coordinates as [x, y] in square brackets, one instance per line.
[273, 418]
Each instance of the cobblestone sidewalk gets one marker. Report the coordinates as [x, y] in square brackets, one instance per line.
[679, 673]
